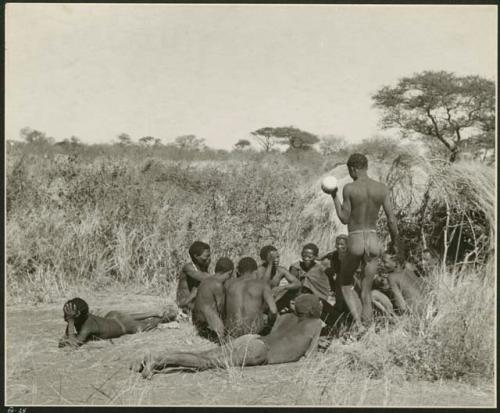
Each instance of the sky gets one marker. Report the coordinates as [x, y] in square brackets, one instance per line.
[222, 71]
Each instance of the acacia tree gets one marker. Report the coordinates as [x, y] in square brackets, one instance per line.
[439, 106]
[242, 144]
[293, 137]
[265, 138]
[124, 139]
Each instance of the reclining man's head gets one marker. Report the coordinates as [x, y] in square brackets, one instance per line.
[308, 306]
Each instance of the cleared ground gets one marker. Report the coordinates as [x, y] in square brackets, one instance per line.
[39, 373]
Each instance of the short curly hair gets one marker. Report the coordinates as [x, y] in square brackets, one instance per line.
[246, 264]
[357, 161]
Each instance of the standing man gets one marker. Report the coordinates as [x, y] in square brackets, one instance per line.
[363, 199]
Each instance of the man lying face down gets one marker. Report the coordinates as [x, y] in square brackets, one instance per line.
[292, 337]
[83, 326]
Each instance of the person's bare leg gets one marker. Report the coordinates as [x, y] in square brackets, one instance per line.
[396, 291]
[349, 265]
[248, 352]
[367, 277]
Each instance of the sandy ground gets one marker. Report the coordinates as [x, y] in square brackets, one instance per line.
[39, 373]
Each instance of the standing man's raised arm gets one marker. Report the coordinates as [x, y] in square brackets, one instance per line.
[343, 210]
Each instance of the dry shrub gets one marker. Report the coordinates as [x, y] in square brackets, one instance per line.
[453, 338]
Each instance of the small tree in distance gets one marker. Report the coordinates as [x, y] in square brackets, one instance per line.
[124, 139]
[147, 140]
[332, 144]
[190, 143]
[242, 144]
[293, 137]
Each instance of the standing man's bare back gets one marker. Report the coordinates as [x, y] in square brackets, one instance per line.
[247, 299]
[363, 199]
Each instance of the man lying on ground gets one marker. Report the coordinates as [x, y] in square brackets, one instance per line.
[247, 300]
[283, 284]
[292, 337]
[208, 309]
[83, 326]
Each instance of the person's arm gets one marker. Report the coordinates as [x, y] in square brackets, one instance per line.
[268, 298]
[192, 272]
[76, 340]
[295, 272]
[190, 298]
[293, 282]
[393, 227]
[398, 296]
[223, 276]
[343, 210]
[315, 339]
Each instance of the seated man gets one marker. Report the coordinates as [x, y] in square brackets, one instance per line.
[83, 326]
[292, 337]
[283, 284]
[208, 309]
[192, 274]
[247, 299]
[313, 279]
[407, 289]
[310, 273]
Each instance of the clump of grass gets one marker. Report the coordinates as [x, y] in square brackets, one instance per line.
[454, 338]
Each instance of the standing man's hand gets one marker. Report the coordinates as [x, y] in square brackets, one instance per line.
[334, 192]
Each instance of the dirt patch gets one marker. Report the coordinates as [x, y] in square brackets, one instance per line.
[38, 372]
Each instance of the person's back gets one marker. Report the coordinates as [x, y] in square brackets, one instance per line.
[291, 338]
[367, 197]
[208, 307]
[246, 300]
[245, 306]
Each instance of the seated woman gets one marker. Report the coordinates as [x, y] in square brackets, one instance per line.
[292, 337]
[83, 326]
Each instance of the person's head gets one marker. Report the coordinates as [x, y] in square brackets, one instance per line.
[341, 243]
[82, 310]
[388, 262]
[246, 265]
[428, 259]
[381, 282]
[223, 265]
[200, 254]
[357, 164]
[309, 255]
[308, 306]
[269, 252]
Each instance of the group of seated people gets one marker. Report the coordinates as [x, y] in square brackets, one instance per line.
[258, 314]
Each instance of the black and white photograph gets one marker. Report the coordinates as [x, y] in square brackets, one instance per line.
[236, 205]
